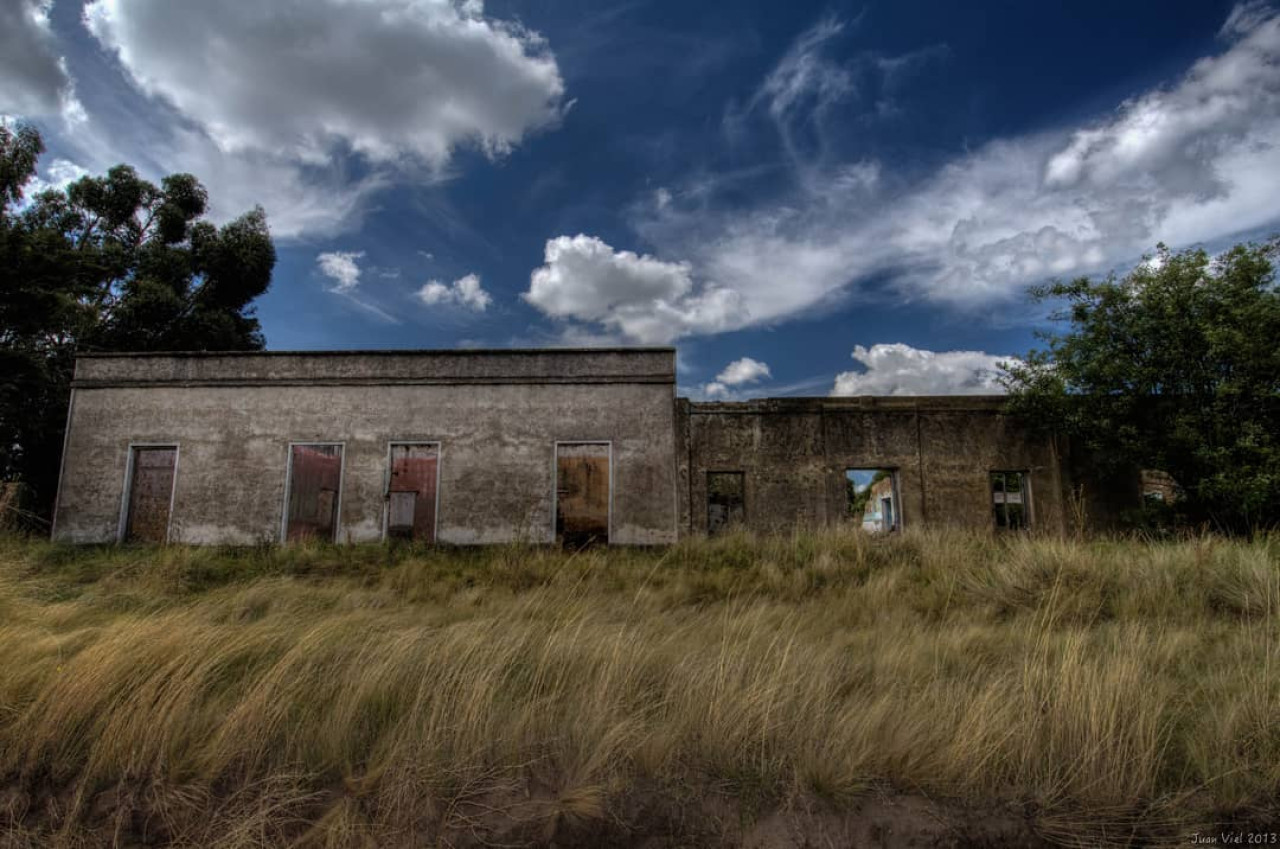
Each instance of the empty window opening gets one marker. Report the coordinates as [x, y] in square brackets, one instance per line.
[726, 501]
[1011, 500]
[315, 481]
[872, 498]
[411, 492]
[1159, 487]
[152, 470]
[582, 493]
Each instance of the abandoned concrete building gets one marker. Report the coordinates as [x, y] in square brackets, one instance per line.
[491, 446]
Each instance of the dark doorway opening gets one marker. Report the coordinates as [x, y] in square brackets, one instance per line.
[726, 501]
[1010, 500]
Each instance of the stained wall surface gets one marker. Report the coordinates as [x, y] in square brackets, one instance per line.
[497, 416]
[794, 453]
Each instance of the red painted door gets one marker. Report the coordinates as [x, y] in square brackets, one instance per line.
[315, 476]
[411, 493]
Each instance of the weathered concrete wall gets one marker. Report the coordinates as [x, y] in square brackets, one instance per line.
[496, 414]
[794, 453]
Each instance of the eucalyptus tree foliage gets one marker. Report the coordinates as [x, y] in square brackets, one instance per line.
[110, 263]
[1174, 366]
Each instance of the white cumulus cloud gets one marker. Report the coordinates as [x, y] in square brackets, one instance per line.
[464, 292]
[264, 102]
[899, 369]
[386, 78]
[745, 370]
[644, 299]
[59, 174]
[343, 268]
[735, 376]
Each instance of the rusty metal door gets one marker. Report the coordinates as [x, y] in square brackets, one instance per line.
[315, 478]
[411, 492]
[150, 493]
[582, 494]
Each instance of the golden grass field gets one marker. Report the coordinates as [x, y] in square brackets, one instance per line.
[816, 689]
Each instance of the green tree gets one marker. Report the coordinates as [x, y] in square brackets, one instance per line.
[111, 263]
[1175, 366]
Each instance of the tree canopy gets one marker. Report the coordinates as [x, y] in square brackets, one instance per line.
[110, 263]
[1174, 366]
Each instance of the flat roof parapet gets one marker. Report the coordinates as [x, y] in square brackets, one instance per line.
[868, 403]
[480, 366]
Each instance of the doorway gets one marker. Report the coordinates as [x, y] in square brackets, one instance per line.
[152, 471]
[583, 493]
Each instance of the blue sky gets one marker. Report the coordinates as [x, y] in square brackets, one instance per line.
[804, 198]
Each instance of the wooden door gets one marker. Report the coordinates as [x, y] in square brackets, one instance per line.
[582, 494]
[411, 492]
[315, 478]
[150, 493]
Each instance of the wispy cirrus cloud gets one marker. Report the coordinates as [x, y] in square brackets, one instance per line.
[1191, 161]
[812, 86]
[1194, 160]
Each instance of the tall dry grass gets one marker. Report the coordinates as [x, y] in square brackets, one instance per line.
[328, 696]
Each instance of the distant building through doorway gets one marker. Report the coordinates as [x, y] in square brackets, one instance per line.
[873, 499]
